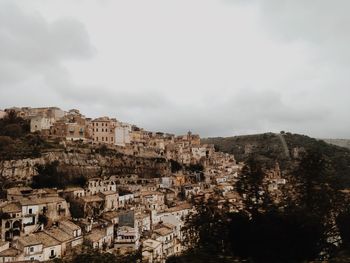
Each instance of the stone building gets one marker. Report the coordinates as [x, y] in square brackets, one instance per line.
[103, 130]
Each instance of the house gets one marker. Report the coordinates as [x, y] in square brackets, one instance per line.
[11, 221]
[111, 216]
[2, 114]
[39, 123]
[127, 238]
[103, 130]
[74, 192]
[72, 229]
[166, 182]
[17, 193]
[68, 234]
[191, 190]
[152, 251]
[39, 246]
[8, 254]
[101, 237]
[153, 200]
[165, 234]
[98, 185]
[126, 199]
[143, 221]
[53, 207]
[111, 200]
[221, 179]
[62, 237]
[172, 220]
[181, 211]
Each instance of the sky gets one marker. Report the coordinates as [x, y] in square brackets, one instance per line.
[215, 67]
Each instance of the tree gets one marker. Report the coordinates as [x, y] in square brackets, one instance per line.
[95, 256]
[214, 233]
[250, 185]
[13, 130]
[50, 176]
[175, 166]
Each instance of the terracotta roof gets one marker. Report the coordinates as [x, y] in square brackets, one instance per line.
[96, 235]
[47, 240]
[150, 243]
[110, 215]
[69, 224]
[12, 208]
[163, 231]
[59, 234]
[92, 198]
[30, 240]
[109, 193]
[10, 252]
[72, 189]
[180, 207]
[41, 200]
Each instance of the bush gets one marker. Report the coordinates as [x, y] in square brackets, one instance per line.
[50, 176]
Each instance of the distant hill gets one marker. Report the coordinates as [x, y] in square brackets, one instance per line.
[286, 148]
[339, 142]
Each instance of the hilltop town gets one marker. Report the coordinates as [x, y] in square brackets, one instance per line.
[71, 185]
[120, 212]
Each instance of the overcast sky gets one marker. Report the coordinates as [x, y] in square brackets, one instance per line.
[215, 67]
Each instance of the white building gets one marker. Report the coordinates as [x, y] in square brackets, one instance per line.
[127, 238]
[122, 134]
[39, 246]
[126, 199]
[152, 251]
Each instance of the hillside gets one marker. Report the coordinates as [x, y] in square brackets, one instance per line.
[286, 148]
[338, 142]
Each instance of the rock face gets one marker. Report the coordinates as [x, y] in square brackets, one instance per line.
[88, 165]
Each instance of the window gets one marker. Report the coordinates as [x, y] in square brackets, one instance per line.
[31, 249]
[97, 129]
[30, 211]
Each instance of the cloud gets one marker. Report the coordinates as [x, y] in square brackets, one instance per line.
[31, 48]
[214, 67]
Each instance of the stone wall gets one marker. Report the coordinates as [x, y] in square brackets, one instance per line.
[88, 165]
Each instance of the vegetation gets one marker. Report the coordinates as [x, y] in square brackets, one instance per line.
[175, 166]
[16, 141]
[49, 176]
[270, 147]
[94, 256]
[76, 209]
[195, 168]
[310, 226]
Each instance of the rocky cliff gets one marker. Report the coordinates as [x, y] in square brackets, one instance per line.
[86, 164]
